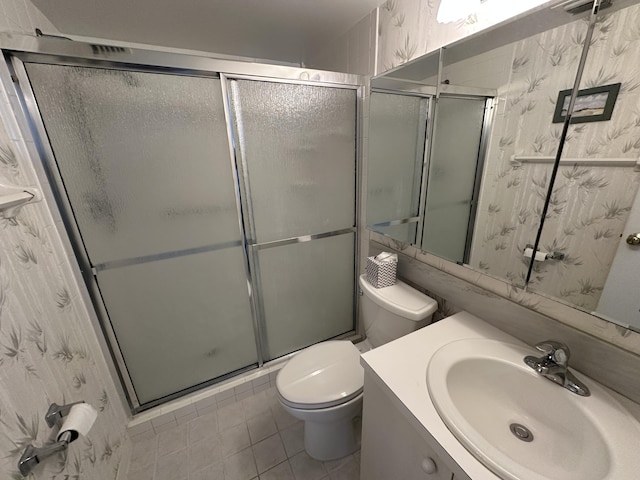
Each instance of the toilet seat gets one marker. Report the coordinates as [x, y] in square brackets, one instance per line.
[321, 376]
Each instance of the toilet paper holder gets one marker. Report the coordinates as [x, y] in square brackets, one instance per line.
[548, 255]
[32, 456]
[56, 412]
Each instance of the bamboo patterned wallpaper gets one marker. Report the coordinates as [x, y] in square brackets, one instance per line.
[590, 204]
[408, 28]
[49, 351]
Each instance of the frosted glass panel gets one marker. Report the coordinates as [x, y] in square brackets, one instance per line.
[182, 321]
[308, 292]
[298, 146]
[446, 231]
[405, 232]
[452, 174]
[397, 131]
[144, 158]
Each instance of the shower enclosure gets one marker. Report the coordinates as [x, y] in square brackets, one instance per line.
[211, 204]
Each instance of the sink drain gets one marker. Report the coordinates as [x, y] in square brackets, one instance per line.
[521, 432]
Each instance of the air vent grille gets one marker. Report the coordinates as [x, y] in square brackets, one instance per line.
[107, 49]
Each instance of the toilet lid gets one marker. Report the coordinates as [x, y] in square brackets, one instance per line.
[321, 376]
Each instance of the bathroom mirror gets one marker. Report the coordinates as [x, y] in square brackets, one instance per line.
[494, 101]
[595, 194]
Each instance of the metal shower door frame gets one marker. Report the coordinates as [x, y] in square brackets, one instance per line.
[489, 99]
[18, 49]
[241, 169]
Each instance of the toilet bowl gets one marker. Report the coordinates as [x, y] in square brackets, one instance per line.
[322, 385]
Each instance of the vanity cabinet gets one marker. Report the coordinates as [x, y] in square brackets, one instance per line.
[393, 448]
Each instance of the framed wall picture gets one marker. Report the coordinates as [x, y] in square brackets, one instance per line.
[592, 104]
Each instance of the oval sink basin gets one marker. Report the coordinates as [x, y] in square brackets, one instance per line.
[525, 427]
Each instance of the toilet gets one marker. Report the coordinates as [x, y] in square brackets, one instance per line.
[322, 385]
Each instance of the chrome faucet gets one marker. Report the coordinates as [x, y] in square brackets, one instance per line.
[553, 365]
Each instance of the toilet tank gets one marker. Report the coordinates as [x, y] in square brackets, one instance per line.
[392, 312]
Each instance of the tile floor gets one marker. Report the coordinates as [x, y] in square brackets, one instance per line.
[253, 438]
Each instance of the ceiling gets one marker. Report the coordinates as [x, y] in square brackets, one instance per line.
[282, 30]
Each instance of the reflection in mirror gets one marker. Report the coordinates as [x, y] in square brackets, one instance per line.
[455, 170]
[397, 134]
[527, 74]
[618, 302]
[593, 196]
[523, 76]
[400, 113]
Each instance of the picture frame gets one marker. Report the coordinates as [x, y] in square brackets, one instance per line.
[592, 104]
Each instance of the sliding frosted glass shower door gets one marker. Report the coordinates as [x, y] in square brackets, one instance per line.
[144, 158]
[297, 151]
[454, 171]
[397, 138]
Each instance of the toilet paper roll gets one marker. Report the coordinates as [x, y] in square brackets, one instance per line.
[79, 421]
[540, 256]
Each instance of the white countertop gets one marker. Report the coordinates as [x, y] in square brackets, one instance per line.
[400, 366]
